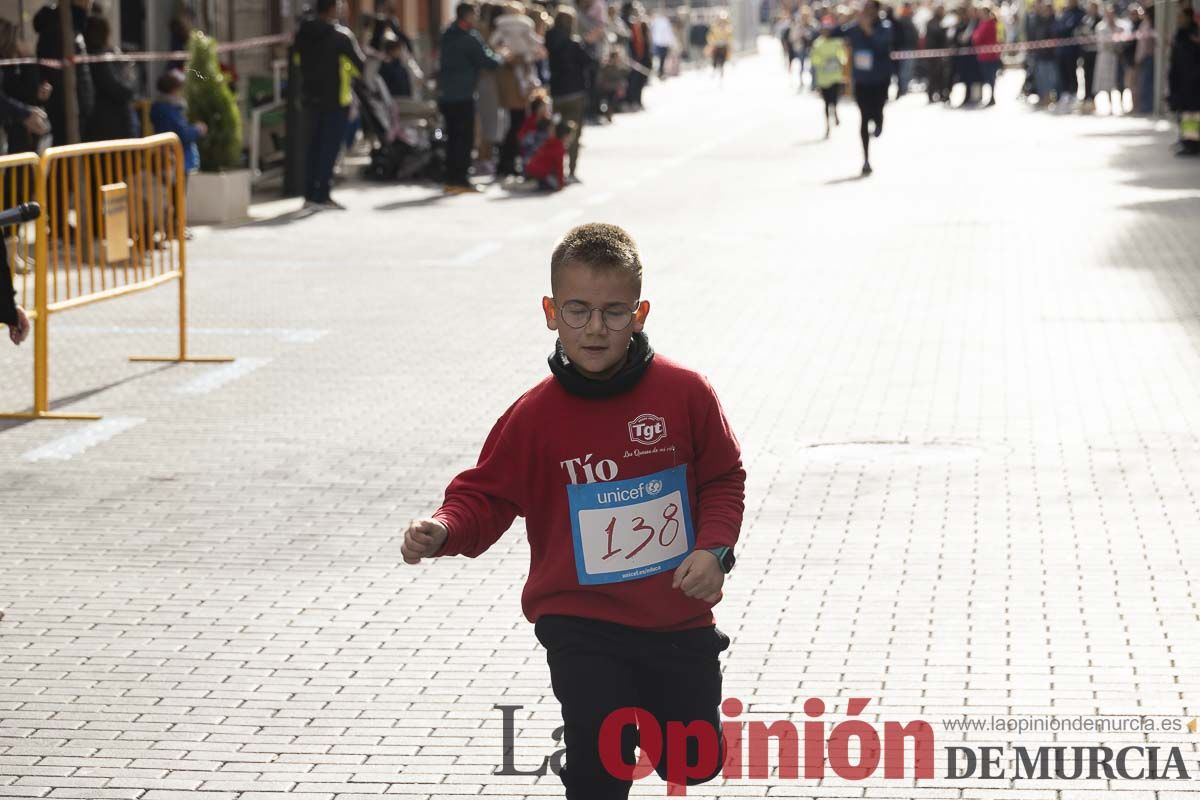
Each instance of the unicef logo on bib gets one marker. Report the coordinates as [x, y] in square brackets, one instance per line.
[630, 529]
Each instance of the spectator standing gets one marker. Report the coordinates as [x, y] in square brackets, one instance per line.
[1108, 54]
[985, 35]
[937, 38]
[49, 46]
[112, 114]
[23, 123]
[1088, 28]
[513, 30]
[464, 55]
[23, 84]
[1183, 81]
[569, 61]
[904, 37]
[168, 114]
[1067, 26]
[1045, 62]
[640, 52]
[1143, 60]
[329, 58]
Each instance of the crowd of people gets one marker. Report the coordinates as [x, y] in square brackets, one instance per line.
[1103, 51]
[515, 82]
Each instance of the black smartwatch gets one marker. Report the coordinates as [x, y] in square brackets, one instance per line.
[724, 557]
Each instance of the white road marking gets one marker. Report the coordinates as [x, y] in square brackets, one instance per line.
[217, 377]
[81, 439]
[565, 216]
[287, 335]
[476, 253]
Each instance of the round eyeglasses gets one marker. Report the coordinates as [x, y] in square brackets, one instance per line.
[578, 315]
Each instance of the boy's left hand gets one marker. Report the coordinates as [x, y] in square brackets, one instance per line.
[700, 577]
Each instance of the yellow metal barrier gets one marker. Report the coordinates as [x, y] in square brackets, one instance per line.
[113, 216]
[20, 175]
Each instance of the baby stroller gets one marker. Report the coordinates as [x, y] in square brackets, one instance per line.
[407, 140]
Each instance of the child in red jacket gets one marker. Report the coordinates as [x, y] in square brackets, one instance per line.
[632, 488]
[546, 166]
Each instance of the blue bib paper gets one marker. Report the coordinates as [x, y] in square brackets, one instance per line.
[625, 530]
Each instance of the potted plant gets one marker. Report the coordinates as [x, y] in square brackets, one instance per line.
[220, 192]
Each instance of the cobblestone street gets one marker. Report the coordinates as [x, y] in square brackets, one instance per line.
[967, 390]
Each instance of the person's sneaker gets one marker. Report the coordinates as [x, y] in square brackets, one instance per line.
[866, 170]
[573, 179]
[333, 205]
[310, 205]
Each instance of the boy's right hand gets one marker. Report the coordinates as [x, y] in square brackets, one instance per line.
[423, 539]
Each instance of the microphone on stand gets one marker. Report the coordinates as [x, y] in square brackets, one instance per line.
[20, 213]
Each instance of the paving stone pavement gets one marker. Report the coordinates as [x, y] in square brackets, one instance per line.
[967, 389]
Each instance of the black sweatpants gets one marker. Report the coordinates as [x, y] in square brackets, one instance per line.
[459, 117]
[871, 99]
[598, 667]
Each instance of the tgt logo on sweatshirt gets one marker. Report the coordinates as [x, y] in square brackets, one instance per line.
[605, 469]
[647, 429]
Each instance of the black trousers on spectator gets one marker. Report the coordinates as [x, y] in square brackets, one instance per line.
[1089, 75]
[459, 116]
[510, 147]
[1068, 75]
[598, 667]
[326, 130]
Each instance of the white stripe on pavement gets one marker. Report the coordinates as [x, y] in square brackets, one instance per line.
[217, 377]
[476, 253]
[288, 335]
[565, 216]
[81, 439]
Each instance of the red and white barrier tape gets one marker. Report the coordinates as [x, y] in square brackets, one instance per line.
[1015, 47]
[176, 55]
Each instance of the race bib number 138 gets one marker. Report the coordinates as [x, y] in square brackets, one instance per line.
[625, 530]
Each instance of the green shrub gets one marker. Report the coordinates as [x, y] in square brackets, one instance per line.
[211, 101]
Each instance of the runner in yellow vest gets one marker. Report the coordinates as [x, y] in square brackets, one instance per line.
[829, 61]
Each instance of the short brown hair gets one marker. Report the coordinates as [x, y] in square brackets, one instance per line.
[600, 246]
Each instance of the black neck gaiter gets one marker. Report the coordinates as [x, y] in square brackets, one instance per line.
[636, 361]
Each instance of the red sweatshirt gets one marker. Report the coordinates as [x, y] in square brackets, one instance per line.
[619, 456]
[548, 161]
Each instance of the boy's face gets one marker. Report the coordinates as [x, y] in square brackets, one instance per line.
[597, 352]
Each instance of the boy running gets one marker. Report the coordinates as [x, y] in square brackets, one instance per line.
[632, 487]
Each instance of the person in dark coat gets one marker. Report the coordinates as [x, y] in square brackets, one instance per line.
[1067, 25]
[1183, 81]
[904, 37]
[112, 115]
[22, 83]
[937, 88]
[570, 61]
[386, 22]
[49, 46]
[464, 55]
[12, 314]
[328, 55]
